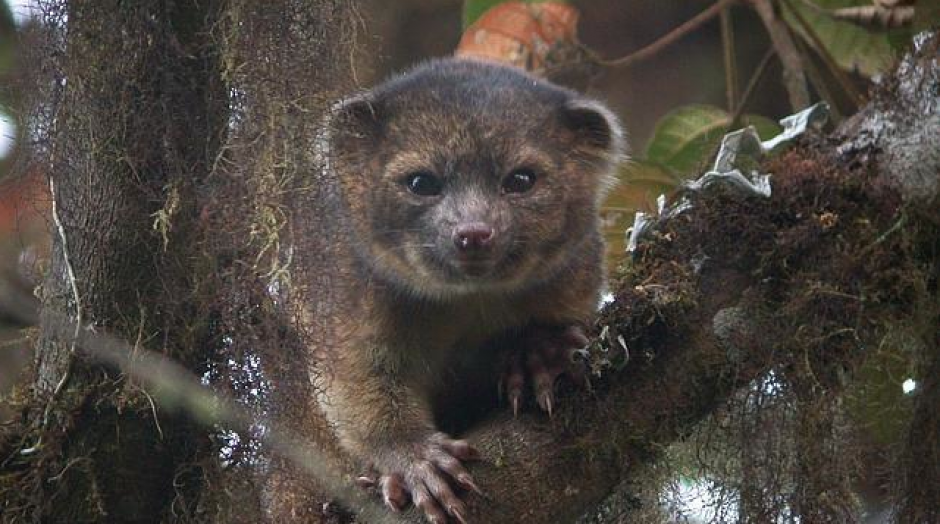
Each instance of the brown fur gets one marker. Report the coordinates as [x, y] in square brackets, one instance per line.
[395, 323]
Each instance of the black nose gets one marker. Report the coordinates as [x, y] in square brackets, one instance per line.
[473, 236]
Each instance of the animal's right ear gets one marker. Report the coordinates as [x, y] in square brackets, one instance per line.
[596, 126]
[356, 118]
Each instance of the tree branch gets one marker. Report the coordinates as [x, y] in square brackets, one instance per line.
[666, 40]
[793, 77]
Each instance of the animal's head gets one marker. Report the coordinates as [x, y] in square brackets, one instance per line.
[462, 176]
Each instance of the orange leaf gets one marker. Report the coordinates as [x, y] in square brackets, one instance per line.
[520, 34]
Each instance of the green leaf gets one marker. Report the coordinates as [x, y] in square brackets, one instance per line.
[765, 127]
[854, 48]
[926, 17]
[685, 137]
[640, 184]
[900, 39]
[473, 9]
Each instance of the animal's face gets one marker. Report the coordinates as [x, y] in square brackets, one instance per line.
[465, 177]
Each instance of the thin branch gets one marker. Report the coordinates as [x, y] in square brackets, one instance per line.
[844, 81]
[728, 53]
[665, 40]
[15, 343]
[752, 85]
[819, 82]
[177, 387]
[794, 79]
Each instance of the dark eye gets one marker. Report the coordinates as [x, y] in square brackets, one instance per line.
[519, 181]
[423, 183]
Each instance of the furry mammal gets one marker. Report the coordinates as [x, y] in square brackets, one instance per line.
[459, 208]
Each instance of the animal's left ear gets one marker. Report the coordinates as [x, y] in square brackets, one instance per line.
[357, 117]
[596, 128]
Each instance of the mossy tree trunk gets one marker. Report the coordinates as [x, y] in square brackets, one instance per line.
[140, 119]
[170, 130]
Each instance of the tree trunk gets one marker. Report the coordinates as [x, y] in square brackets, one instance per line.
[140, 118]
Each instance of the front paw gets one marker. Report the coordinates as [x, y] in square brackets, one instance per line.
[424, 472]
[542, 354]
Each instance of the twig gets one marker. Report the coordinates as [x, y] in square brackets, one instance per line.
[15, 343]
[664, 41]
[841, 77]
[793, 77]
[728, 53]
[817, 80]
[153, 409]
[901, 222]
[752, 85]
[174, 385]
[68, 465]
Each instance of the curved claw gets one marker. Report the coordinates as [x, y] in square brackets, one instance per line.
[545, 402]
[394, 493]
[544, 354]
[365, 481]
[424, 473]
[513, 381]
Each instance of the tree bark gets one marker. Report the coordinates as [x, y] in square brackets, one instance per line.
[140, 117]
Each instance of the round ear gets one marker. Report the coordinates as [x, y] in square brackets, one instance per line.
[358, 117]
[596, 128]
